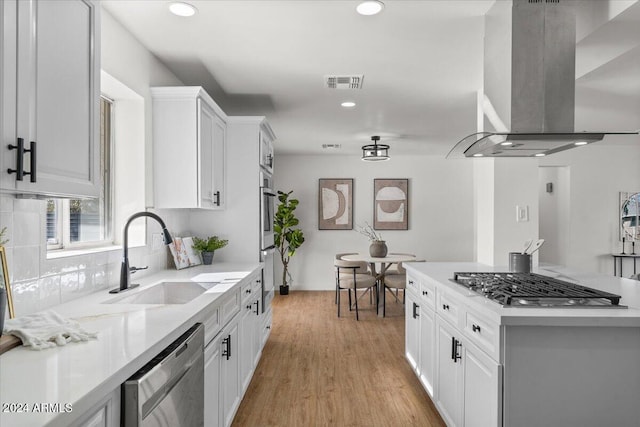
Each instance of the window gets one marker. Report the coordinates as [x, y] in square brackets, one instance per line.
[82, 222]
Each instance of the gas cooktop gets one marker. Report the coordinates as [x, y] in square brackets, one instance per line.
[534, 290]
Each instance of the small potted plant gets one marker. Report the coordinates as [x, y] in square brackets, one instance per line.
[208, 246]
[378, 247]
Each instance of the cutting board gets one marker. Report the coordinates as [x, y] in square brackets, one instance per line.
[7, 342]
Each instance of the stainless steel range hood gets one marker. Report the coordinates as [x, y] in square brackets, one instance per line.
[529, 82]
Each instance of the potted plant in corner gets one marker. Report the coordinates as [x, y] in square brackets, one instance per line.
[208, 246]
[287, 238]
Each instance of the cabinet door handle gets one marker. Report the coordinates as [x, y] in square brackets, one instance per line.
[475, 328]
[19, 170]
[270, 160]
[32, 161]
[415, 310]
[445, 306]
[257, 303]
[227, 344]
[216, 198]
[454, 349]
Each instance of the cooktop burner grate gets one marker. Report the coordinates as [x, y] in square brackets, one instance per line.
[526, 289]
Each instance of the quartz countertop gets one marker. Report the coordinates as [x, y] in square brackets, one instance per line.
[129, 335]
[629, 290]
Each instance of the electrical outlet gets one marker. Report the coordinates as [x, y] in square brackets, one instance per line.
[522, 213]
[156, 241]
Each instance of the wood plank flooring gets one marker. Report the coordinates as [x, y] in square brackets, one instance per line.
[318, 370]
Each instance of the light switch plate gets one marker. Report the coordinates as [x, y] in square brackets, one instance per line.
[522, 213]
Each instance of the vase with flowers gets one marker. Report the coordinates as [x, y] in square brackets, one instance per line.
[377, 247]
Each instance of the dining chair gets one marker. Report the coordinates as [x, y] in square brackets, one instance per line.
[339, 257]
[396, 281]
[354, 275]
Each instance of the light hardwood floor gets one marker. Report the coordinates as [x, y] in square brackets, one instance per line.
[318, 370]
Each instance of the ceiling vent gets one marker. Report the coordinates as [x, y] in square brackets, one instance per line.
[344, 81]
[331, 146]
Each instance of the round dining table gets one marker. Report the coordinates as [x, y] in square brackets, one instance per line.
[385, 262]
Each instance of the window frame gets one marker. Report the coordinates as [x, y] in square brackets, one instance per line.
[63, 206]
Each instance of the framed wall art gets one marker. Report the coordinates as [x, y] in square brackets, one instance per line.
[335, 204]
[391, 204]
[629, 215]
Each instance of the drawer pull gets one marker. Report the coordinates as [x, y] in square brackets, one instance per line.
[411, 282]
[445, 306]
[425, 293]
[475, 328]
[248, 291]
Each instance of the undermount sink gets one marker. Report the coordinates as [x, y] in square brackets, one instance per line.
[164, 293]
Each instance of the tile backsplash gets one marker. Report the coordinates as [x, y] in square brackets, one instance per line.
[38, 283]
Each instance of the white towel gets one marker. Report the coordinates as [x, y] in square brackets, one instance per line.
[47, 329]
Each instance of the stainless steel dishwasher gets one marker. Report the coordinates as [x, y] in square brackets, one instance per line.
[169, 390]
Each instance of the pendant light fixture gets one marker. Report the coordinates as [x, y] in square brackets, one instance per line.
[375, 152]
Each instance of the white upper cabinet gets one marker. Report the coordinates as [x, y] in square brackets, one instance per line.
[189, 149]
[50, 98]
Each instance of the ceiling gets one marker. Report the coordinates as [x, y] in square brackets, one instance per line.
[422, 63]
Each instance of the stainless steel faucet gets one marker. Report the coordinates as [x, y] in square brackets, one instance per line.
[125, 270]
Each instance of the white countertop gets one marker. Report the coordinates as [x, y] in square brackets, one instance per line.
[629, 290]
[129, 335]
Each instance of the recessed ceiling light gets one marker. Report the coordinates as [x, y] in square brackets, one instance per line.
[540, 155]
[581, 143]
[348, 104]
[506, 143]
[478, 155]
[370, 7]
[182, 9]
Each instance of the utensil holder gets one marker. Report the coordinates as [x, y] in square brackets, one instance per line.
[519, 262]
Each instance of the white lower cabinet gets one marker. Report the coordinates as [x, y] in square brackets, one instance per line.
[212, 383]
[222, 377]
[230, 358]
[427, 348]
[412, 331]
[419, 339]
[230, 392]
[449, 375]
[469, 382]
[247, 326]
[456, 366]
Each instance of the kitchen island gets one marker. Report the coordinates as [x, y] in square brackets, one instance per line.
[488, 365]
[79, 384]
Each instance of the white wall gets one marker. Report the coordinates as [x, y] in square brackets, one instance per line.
[500, 186]
[441, 224]
[598, 172]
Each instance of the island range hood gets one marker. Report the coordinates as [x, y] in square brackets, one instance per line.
[529, 82]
